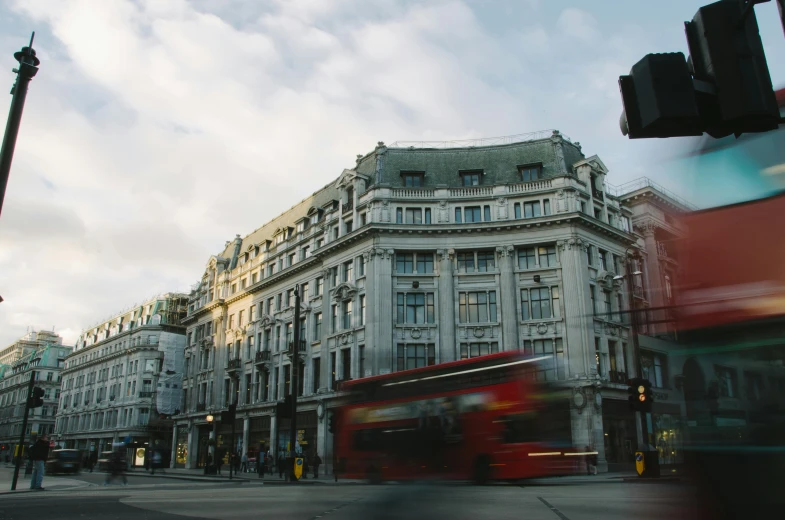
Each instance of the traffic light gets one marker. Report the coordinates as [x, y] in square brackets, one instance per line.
[228, 416]
[724, 88]
[284, 410]
[641, 398]
[331, 423]
[37, 399]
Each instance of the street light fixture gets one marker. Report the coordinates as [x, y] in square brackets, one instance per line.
[209, 418]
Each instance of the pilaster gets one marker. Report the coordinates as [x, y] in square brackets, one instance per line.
[509, 308]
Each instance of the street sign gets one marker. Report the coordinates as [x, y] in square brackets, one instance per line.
[640, 463]
[298, 468]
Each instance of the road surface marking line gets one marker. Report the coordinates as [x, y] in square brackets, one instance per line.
[555, 511]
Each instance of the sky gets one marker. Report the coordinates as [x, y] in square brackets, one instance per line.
[157, 130]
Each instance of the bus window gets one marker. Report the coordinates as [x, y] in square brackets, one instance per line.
[520, 428]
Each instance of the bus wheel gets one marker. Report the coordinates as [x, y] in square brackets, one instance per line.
[482, 470]
[374, 475]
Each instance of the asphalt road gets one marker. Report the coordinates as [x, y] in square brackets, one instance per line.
[150, 500]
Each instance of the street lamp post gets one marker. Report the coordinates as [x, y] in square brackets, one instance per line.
[295, 352]
[211, 447]
[28, 67]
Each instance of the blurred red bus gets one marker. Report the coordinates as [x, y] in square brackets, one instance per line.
[483, 418]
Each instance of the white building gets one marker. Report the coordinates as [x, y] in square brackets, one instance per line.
[44, 353]
[124, 379]
[415, 256]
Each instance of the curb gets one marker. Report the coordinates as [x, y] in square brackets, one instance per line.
[651, 479]
[192, 478]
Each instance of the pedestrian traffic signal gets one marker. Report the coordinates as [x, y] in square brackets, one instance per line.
[36, 399]
[724, 88]
[640, 398]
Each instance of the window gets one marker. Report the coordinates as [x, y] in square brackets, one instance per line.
[668, 288]
[362, 219]
[415, 356]
[399, 215]
[477, 307]
[413, 179]
[466, 262]
[540, 303]
[304, 291]
[472, 214]
[471, 178]
[527, 258]
[334, 318]
[598, 213]
[531, 209]
[590, 255]
[278, 302]
[531, 172]
[346, 364]
[481, 261]
[231, 321]
[471, 350]
[360, 266]
[347, 314]
[289, 300]
[234, 288]
[458, 215]
[517, 209]
[269, 307]
[332, 370]
[625, 223]
[415, 308]
[348, 268]
[546, 207]
[602, 255]
[404, 262]
[547, 256]
[427, 215]
[319, 243]
[653, 368]
[361, 364]
[362, 310]
[413, 216]
[547, 347]
[486, 212]
[319, 286]
[252, 313]
[593, 296]
[598, 364]
[606, 300]
[240, 318]
[289, 335]
[316, 364]
[619, 308]
[304, 252]
[348, 226]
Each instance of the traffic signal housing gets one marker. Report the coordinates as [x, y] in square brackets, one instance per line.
[37, 399]
[284, 410]
[724, 88]
[640, 398]
[227, 417]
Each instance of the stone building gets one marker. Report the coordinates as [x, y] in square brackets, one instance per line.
[44, 353]
[123, 380]
[415, 256]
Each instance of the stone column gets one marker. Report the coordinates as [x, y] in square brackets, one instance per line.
[327, 309]
[383, 331]
[577, 306]
[174, 446]
[193, 442]
[448, 349]
[371, 315]
[274, 435]
[509, 297]
[246, 431]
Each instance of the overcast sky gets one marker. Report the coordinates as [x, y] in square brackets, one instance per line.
[158, 129]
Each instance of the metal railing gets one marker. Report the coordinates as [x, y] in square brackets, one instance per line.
[263, 356]
[347, 207]
[201, 407]
[645, 182]
[146, 394]
[483, 141]
[234, 364]
[615, 376]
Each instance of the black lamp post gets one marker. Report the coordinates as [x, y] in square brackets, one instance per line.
[28, 67]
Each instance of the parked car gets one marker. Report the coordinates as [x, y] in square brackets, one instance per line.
[104, 461]
[63, 461]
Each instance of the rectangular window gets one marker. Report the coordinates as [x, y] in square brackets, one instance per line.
[404, 262]
[485, 261]
[472, 350]
[413, 216]
[348, 226]
[231, 321]
[593, 296]
[304, 291]
[606, 299]
[289, 300]
[466, 262]
[530, 172]
[348, 269]
[413, 179]
[334, 318]
[527, 258]
[477, 307]
[590, 255]
[240, 317]
[547, 347]
[517, 209]
[424, 263]
[332, 371]
[362, 310]
[399, 215]
[625, 223]
[602, 254]
[360, 266]
[287, 380]
[597, 362]
[531, 209]
[346, 364]
[486, 213]
[269, 306]
[458, 216]
[278, 302]
[471, 178]
[252, 313]
[415, 356]
[361, 360]
[427, 215]
[304, 253]
[415, 308]
[472, 214]
[317, 326]
[319, 286]
[539, 303]
[347, 315]
[546, 207]
[244, 283]
[316, 363]
[547, 256]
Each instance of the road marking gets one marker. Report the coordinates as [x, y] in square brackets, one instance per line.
[336, 508]
[555, 511]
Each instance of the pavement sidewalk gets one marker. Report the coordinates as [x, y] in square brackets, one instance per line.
[23, 482]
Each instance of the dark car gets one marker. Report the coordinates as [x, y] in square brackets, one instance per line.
[64, 461]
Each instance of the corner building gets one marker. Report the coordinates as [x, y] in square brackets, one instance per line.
[420, 254]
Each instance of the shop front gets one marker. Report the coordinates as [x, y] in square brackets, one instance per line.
[307, 424]
[181, 450]
[666, 431]
[258, 435]
[620, 434]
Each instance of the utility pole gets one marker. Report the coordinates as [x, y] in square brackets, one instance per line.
[28, 67]
[21, 446]
[295, 386]
[643, 441]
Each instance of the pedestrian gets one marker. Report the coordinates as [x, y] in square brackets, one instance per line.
[93, 460]
[306, 465]
[39, 452]
[591, 462]
[219, 460]
[316, 462]
[117, 466]
[236, 459]
[156, 462]
[280, 464]
[244, 463]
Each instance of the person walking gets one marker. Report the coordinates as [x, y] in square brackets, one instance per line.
[244, 463]
[156, 462]
[281, 464]
[591, 462]
[117, 466]
[93, 460]
[317, 460]
[219, 460]
[39, 452]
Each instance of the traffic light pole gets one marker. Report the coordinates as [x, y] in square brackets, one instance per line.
[295, 385]
[21, 445]
[643, 439]
[28, 67]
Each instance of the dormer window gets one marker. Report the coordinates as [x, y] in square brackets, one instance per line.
[530, 172]
[471, 178]
[413, 179]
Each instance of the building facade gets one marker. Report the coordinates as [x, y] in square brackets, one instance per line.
[415, 256]
[43, 353]
[123, 380]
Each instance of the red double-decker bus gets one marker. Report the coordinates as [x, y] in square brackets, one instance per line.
[481, 419]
